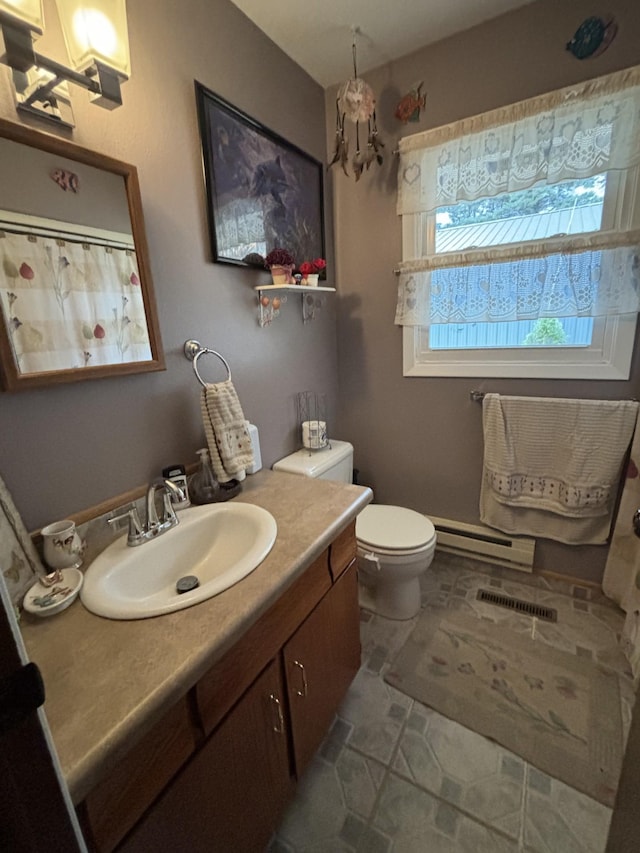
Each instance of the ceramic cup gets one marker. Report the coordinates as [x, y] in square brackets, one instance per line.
[63, 548]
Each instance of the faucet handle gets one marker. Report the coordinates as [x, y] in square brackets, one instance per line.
[135, 525]
[169, 515]
[169, 518]
[170, 491]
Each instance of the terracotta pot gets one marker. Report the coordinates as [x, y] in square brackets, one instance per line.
[282, 274]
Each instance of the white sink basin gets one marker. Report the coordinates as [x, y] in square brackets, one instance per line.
[219, 543]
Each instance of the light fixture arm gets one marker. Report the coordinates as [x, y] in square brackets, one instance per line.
[101, 81]
[21, 56]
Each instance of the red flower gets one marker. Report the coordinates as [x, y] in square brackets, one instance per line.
[99, 332]
[313, 267]
[26, 271]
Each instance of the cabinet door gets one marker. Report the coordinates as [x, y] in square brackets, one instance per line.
[232, 793]
[321, 660]
[118, 802]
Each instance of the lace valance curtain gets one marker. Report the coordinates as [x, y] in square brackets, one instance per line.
[571, 134]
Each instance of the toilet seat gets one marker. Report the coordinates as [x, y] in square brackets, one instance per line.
[394, 530]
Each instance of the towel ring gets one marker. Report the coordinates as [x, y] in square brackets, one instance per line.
[194, 349]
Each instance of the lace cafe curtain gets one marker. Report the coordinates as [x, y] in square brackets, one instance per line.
[571, 134]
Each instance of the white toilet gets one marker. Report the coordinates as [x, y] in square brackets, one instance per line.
[395, 545]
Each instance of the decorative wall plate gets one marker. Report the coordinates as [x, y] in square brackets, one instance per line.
[409, 106]
[593, 37]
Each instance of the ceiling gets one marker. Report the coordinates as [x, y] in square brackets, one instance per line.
[318, 36]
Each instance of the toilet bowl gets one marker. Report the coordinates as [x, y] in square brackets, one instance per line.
[395, 546]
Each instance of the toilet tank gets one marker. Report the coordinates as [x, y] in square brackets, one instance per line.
[334, 462]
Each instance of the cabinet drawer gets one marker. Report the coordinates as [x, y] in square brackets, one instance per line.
[343, 551]
[228, 679]
[115, 805]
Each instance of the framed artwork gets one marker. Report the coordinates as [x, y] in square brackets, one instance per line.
[262, 191]
[19, 561]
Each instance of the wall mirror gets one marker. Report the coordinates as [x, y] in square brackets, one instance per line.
[75, 283]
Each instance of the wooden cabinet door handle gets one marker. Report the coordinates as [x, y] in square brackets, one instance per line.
[279, 725]
[302, 692]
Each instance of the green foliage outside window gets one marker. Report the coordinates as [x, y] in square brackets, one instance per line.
[546, 332]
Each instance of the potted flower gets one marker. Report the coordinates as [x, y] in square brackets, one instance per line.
[310, 271]
[281, 264]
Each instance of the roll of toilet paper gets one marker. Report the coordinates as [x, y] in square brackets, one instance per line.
[314, 434]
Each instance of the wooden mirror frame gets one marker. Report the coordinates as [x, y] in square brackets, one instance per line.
[10, 377]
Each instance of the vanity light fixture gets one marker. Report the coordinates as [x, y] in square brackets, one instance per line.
[95, 33]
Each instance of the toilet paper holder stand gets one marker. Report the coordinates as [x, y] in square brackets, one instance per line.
[312, 419]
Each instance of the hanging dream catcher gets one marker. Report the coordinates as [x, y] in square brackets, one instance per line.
[356, 102]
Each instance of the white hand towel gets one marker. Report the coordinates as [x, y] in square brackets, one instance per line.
[226, 430]
[552, 465]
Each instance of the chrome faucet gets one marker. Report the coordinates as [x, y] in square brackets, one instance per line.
[154, 527]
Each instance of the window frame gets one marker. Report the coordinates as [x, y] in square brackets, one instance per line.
[608, 357]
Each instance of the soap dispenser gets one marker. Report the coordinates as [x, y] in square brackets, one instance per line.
[203, 486]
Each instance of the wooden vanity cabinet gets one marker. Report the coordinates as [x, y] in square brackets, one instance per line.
[321, 660]
[118, 802]
[262, 711]
[230, 795]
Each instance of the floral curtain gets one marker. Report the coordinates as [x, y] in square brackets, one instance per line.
[71, 305]
[573, 133]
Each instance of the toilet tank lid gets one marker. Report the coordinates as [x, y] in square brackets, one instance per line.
[393, 527]
[314, 463]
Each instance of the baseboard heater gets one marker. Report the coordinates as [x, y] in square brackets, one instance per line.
[484, 543]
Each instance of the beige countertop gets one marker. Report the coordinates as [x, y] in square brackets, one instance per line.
[107, 682]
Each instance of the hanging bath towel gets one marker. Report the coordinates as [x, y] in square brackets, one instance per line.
[226, 430]
[552, 465]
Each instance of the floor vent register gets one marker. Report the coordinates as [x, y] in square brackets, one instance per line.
[548, 614]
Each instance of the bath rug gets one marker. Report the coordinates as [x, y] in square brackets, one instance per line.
[559, 712]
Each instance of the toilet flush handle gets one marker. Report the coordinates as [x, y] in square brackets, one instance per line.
[372, 558]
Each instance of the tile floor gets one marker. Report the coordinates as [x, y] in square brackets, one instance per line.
[394, 775]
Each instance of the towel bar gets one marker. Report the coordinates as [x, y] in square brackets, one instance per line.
[478, 397]
[194, 349]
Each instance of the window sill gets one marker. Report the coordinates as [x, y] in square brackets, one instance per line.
[609, 359]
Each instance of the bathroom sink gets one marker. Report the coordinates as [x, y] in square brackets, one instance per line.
[219, 544]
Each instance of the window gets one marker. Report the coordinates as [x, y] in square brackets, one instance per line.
[520, 256]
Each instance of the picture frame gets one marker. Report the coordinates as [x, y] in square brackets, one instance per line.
[19, 561]
[262, 191]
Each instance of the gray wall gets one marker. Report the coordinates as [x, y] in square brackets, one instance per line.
[27, 187]
[70, 447]
[419, 440]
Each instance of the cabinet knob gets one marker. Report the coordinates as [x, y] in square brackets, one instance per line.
[279, 726]
[302, 692]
